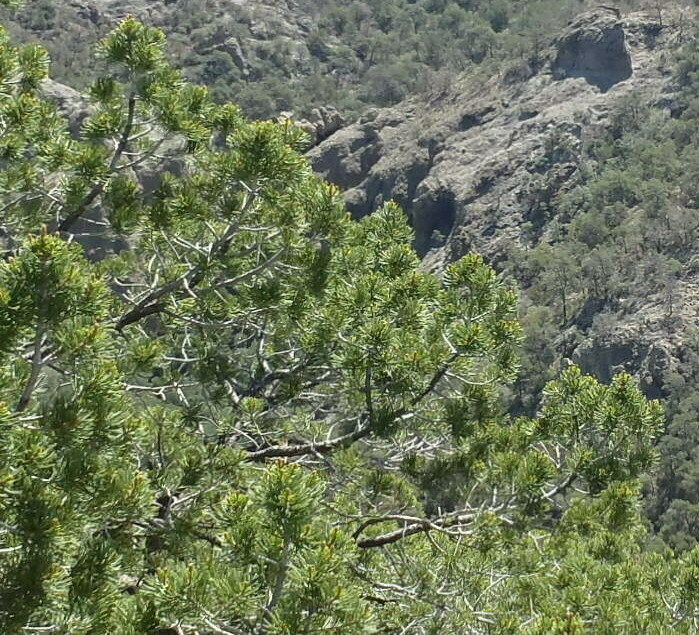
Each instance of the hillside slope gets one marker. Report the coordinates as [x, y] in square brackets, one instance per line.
[471, 162]
[482, 166]
[223, 41]
[272, 56]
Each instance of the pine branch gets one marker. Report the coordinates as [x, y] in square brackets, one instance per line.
[98, 188]
[151, 304]
[301, 449]
[415, 526]
[278, 590]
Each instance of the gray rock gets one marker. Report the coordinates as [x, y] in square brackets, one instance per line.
[323, 122]
[233, 47]
[70, 103]
[87, 11]
[326, 121]
[594, 48]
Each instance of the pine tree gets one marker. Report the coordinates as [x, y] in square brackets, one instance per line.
[261, 416]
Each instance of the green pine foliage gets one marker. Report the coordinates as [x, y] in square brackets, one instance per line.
[250, 414]
[626, 232]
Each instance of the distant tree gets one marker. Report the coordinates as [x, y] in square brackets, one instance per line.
[557, 272]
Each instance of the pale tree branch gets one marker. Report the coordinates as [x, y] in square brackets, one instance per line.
[151, 304]
[301, 449]
[98, 188]
[37, 355]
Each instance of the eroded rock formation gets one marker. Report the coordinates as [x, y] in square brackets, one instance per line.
[478, 163]
[479, 168]
[594, 48]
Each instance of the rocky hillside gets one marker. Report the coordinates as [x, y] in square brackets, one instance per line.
[270, 56]
[218, 40]
[482, 163]
[480, 166]
[464, 165]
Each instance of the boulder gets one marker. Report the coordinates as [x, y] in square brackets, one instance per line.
[594, 48]
[70, 103]
[233, 47]
[327, 121]
[321, 124]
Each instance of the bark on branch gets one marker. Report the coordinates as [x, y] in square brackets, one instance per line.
[301, 449]
[98, 188]
[151, 304]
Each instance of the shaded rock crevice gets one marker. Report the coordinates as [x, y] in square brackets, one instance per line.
[432, 218]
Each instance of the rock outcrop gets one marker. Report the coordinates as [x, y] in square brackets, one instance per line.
[478, 167]
[323, 122]
[234, 48]
[70, 103]
[474, 166]
[594, 48]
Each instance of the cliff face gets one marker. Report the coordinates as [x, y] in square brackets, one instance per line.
[480, 166]
[471, 166]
